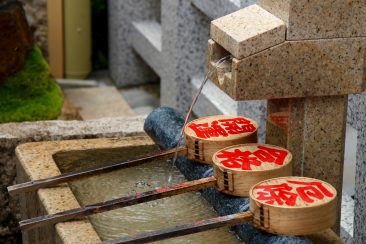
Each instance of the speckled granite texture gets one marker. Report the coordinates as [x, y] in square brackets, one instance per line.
[316, 136]
[156, 126]
[320, 19]
[357, 119]
[311, 68]
[259, 30]
[126, 67]
[347, 217]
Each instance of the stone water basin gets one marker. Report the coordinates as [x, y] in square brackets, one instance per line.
[43, 159]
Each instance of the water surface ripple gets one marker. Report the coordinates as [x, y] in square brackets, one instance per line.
[163, 213]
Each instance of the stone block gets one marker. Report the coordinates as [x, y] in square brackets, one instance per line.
[15, 38]
[248, 31]
[319, 19]
[296, 69]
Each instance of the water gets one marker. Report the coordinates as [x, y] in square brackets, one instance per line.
[194, 100]
[163, 213]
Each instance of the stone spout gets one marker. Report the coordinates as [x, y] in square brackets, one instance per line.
[272, 58]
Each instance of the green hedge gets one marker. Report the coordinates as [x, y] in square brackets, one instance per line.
[31, 94]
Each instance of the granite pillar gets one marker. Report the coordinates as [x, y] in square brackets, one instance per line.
[315, 136]
[357, 119]
[125, 65]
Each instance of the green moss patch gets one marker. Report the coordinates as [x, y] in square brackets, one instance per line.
[30, 94]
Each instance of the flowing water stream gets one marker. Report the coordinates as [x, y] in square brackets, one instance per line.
[168, 212]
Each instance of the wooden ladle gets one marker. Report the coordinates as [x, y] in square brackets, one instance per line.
[286, 206]
[236, 170]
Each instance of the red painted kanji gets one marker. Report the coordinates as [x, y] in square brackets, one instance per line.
[207, 131]
[245, 159]
[281, 194]
[310, 190]
[223, 127]
[287, 193]
[238, 159]
[237, 125]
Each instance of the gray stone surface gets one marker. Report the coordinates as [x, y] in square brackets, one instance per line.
[137, 97]
[357, 119]
[163, 126]
[347, 216]
[212, 101]
[185, 34]
[14, 134]
[98, 102]
[217, 8]
[125, 66]
[147, 43]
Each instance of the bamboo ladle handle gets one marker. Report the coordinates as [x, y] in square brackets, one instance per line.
[63, 178]
[199, 226]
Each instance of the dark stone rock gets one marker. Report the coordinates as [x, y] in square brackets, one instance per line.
[15, 38]
[163, 125]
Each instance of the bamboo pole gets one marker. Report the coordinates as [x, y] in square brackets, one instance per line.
[199, 226]
[158, 193]
[286, 205]
[55, 180]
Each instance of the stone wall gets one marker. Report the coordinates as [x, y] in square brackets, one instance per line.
[14, 134]
[36, 11]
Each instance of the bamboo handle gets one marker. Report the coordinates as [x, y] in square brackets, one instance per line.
[158, 193]
[199, 226]
[55, 180]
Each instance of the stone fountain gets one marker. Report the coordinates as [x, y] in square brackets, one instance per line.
[304, 57]
[305, 71]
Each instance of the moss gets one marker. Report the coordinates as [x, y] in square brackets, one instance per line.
[30, 94]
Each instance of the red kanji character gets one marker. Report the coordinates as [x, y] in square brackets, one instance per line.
[278, 156]
[277, 193]
[237, 125]
[264, 156]
[206, 131]
[313, 189]
[238, 159]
